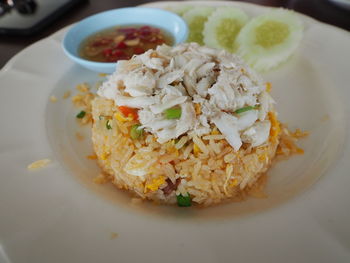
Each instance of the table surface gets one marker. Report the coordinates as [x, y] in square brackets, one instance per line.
[319, 9]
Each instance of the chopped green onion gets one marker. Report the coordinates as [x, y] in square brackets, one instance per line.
[81, 114]
[173, 113]
[183, 201]
[136, 132]
[108, 126]
[100, 117]
[244, 109]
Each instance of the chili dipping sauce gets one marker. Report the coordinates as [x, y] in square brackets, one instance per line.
[122, 42]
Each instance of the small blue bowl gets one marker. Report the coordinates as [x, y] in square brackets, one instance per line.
[165, 20]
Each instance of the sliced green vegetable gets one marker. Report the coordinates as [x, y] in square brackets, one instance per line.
[173, 113]
[108, 125]
[81, 114]
[271, 33]
[195, 19]
[223, 26]
[184, 201]
[136, 132]
[244, 109]
[269, 39]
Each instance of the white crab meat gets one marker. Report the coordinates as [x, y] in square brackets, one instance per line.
[139, 83]
[167, 102]
[170, 77]
[187, 120]
[192, 66]
[258, 133]
[205, 69]
[266, 103]
[247, 119]
[190, 85]
[166, 134]
[152, 63]
[203, 85]
[174, 90]
[135, 102]
[208, 85]
[222, 95]
[227, 125]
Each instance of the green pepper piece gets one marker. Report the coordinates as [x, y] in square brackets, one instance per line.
[108, 126]
[244, 109]
[173, 113]
[81, 114]
[136, 132]
[183, 201]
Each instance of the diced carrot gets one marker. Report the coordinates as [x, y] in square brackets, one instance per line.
[92, 157]
[129, 112]
[275, 126]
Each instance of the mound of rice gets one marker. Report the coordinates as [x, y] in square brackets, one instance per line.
[219, 148]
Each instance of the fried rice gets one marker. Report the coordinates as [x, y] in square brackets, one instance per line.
[204, 162]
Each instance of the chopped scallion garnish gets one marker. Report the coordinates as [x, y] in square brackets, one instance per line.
[81, 114]
[108, 125]
[244, 109]
[173, 113]
[136, 132]
[183, 201]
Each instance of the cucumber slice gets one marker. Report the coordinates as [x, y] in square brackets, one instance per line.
[223, 26]
[179, 9]
[270, 39]
[195, 19]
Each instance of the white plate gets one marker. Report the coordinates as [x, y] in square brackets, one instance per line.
[57, 214]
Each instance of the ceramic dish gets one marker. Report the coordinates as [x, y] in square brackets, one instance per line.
[57, 214]
[167, 21]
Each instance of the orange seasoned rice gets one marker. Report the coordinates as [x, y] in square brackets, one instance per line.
[205, 167]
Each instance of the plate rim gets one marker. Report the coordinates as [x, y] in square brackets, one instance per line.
[60, 33]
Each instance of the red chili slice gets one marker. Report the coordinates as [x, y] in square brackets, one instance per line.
[145, 31]
[138, 50]
[130, 36]
[107, 52]
[120, 55]
[122, 45]
[113, 55]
